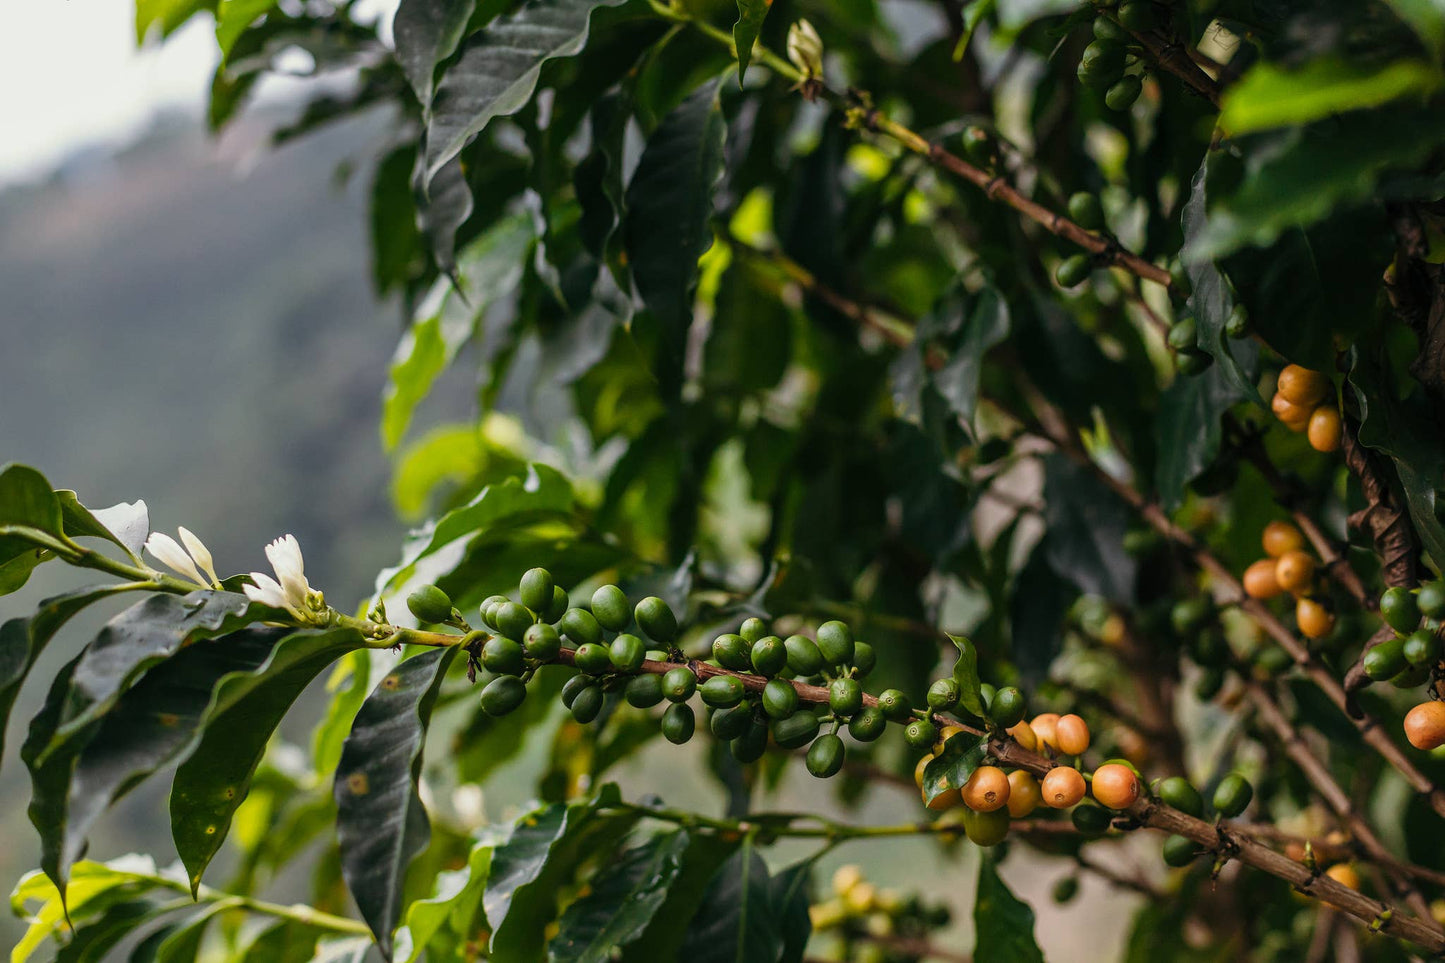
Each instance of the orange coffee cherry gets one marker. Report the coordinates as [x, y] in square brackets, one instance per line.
[1024, 794]
[1259, 580]
[1301, 386]
[1294, 417]
[1062, 787]
[1116, 786]
[1344, 874]
[1280, 537]
[1071, 734]
[1024, 735]
[986, 790]
[944, 800]
[1294, 570]
[1425, 725]
[1324, 429]
[1045, 729]
[1315, 621]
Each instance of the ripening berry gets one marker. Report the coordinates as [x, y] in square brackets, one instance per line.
[1314, 620]
[1071, 734]
[1024, 735]
[1116, 786]
[1024, 794]
[1045, 727]
[1425, 725]
[1324, 431]
[1294, 571]
[1345, 875]
[1301, 386]
[985, 829]
[1280, 537]
[986, 790]
[1294, 417]
[1062, 787]
[947, 799]
[1006, 708]
[1259, 579]
[1180, 793]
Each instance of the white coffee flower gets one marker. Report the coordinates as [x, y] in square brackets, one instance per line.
[169, 553]
[805, 49]
[289, 590]
[200, 553]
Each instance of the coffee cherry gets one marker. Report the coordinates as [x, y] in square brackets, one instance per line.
[1209, 648]
[780, 699]
[1180, 851]
[845, 696]
[581, 627]
[486, 608]
[593, 658]
[1045, 727]
[1259, 579]
[1345, 875]
[1137, 15]
[867, 725]
[1237, 324]
[947, 799]
[1101, 65]
[728, 724]
[1192, 361]
[502, 695]
[541, 642]
[1431, 599]
[825, 756]
[536, 589]
[1210, 681]
[733, 652]
[1107, 29]
[1073, 270]
[1084, 210]
[1399, 609]
[1294, 417]
[978, 146]
[835, 641]
[1189, 615]
[627, 653]
[1183, 334]
[430, 604]
[1091, 820]
[644, 691]
[920, 734]
[1280, 537]
[987, 789]
[1024, 735]
[1123, 93]
[679, 684]
[1421, 648]
[513, 620]
[1024, 794]
[768, 656]
[1180, 284]
[722, 691]
[1301, 386]
[678, 723]
[753, 629]
[1425, 725]
[557, 607]
[1294, 571]
[504, 656]
[656, 620]
[572, 686]
[1325, 431]
[1007, 707]
[1411, 677]
[943, 695]
[750, 746]
[1072, 734]
[1062, 787]
[804, 659]
[1314, 620]
[895, 705]
[1178, 792]
[1384, 660]
[985, 828]
[586, 704]
[1271, 660]
[1065, 889]
[795, 731]
[1232, 795]
[1116, 786]
[609, 605]
[863, 660]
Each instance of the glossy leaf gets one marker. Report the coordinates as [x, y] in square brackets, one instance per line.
[751, 14]
[26, 501]
[738, 922]
[452, 907]
[1004, 924]
[1190, 430]
[1086, 523]
[1426, 18]
[965, 673]
[1267, 96]
[950, 769]
[705, 856]
[288, 941]
[621, 901]
[124, 524]
[165, 16]
[381, 822]
[1037, 606]
[234, 16]
[427, 32]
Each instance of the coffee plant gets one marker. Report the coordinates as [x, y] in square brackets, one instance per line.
[1036, 406]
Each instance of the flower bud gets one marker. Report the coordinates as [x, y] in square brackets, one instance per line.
[805, 49]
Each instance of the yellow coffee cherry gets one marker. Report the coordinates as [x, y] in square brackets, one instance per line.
[1024, 794]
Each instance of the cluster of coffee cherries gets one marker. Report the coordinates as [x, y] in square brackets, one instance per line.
[1288, 568]
[1107, 62]
[1304, 400]
[1410, 658]
[862, 923]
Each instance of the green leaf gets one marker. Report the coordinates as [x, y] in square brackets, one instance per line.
[1426, 18]
[621, 901]
[738, 921]
[1004, 924]
[26, 501]
[167, 15]
[751, 14]
[1267, 96]
[700, 864]
[398, 253]
[1036, 608]
[92, 941]
[950, 769]
[232, 19]
[598, 176]
[749, 342]
[791, 896]
[965, 673]
[349, 685]
[452, 906]
[381, 823]
[1085, 524]
[985, 323]
[183, 945]
[496, 71]
[288, 941]
[427, 32]
[669, 204]
[1189, 429]
[215, 776]
[124, 524]
[95, 888]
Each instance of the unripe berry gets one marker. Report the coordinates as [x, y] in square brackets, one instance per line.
[753, 629]
[541, 642]
[768, 656]
[513, 620]
[1178, 792]
[845, 696]
[894, 705]
[1399, 609]
[536, 589]
[609, 605]
[627, 653]
[722, 691]
[835, 641]
[1006, 708]
[986, 828]
[1180, 851]
[1091, 820]
[503, 656]
[867, 725]
[920, 734]
[587, 704]
[863, 660]
[733, 652]
[804, 658]
[1232, 795]
[430, 604]
[678, 723]
[943, 695]
[655, 619]
[780, 699]
[825, 756]
[796, 730]
[679, 684]
[592, 659]
[502, 695]
[1431, 599]
[581, 626]
[1085, 211]
[644, 691]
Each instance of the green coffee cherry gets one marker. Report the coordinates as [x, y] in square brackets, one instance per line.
[1084, 210]
[1007, 707]
[1184, 334]
[503, 656]
[796, 730]
[644, 691]
[678, 723]
[895, 705]
[730, 723]
[487, 607]
[825, 756]
[541, 642]
[513, 620]
[1385, 660]
[863, 659]
[1180, 793]
[1091, 819]
[845, 696]
[679, 684]
[1193, 362]
[572, 686]
[986, 829]
[656, 620]
[1190, 615]
[1122, 94]
[722, 691]
[1210, 681]
[430, 604]
[1073, 270]
[1106, 29]
[502, 695]
[733, 652]
[609, 605]
[581, 627]
[1180, 851]
[920, 734]
[1180, 283]
[586, 704]
[627, 653]
[1399, 609]
[804, 658]
[780, 699]
[867, 725]
[1232, 795]
[1137, 15]
[593, 658]
[1431, 599]
[835, 641]
[1209, 647]
[1237, 324]
[1411, 677]
[1421, 647]
[749, 746]
[1067, 888]
[536, 589]
[753, 629]
[978, 146]
[1102, 64]
[1271, 660]
[768, 655]
[943, 695]
[557, 607]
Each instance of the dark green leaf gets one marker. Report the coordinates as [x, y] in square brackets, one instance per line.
[1004, 924]
[663, 939]
[950, 769]
[26, 501]
[397, 252]
[381, 823]
[1190, 430]
[738, 921]
[749, 342]
[985, 323]
[427, 32]
[288, 941]
[621, 901]
[751, 14]
[92, 941]
[965, 673]
[1037, 607]
[1085, 525]
[183, 944]
[791, 895]
[452, 907]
